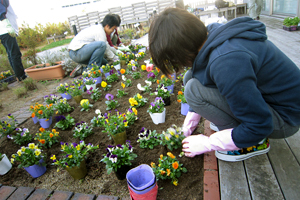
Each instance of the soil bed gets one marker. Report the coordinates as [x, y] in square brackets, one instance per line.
[97, 180]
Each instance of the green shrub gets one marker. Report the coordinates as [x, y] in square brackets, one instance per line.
[4, 66]
[30, 84]
[20, 92]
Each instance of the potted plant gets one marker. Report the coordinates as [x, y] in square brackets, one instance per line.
[7, 77]
[5, 165]
[123, 59]
[96, 73]
[8, 126]
[157, 111]
[62, 106]
[63, 89]
[33, 110]
[76, 93]
[168, 168]
[85, 104]
[115, 125]
[164, 93]
[44, 114]
[168, 83]
[181, 99]
[116, 64]
[73, 158]
[52, 98]
[90, 83]
[118, 159]
[107, 69]
[290, 24]
[95, 93]
[31, 159]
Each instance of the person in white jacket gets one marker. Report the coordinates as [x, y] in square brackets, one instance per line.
[90, 45]
[8, 32]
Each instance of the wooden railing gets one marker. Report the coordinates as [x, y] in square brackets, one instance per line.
[138, 12]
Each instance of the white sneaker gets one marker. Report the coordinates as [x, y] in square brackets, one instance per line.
[244, 153]
[213, 127]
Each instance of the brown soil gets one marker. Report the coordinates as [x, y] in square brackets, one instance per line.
[97, 181]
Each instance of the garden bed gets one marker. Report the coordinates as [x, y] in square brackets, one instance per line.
[190, 184]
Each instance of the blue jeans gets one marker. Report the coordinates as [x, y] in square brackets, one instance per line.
[89, 54]
[14, 55]
[209, 103]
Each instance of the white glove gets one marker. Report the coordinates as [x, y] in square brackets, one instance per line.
[9, 28]
[119, 52]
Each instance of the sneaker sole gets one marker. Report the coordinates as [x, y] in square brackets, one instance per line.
[235, 158]
[213, 127]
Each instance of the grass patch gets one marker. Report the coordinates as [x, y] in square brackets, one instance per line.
[20, 92]
[56, 44]
[4, 86]
[30, 84]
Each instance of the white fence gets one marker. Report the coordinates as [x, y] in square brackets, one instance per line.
[138, 12]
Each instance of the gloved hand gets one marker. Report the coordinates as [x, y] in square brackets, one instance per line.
[119, 52]
[149, 67]
[123, 48]
[190, 123]
[9, 28]
[199, 144]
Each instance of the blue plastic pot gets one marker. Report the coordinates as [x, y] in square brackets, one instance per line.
[66, 95]
[184, 108]
[36, 170]
[141, 179]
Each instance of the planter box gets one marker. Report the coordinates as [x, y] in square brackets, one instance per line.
[46, 73]
[9, 79]
[291, 28]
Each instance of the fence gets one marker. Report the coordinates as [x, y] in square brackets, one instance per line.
[138, 12]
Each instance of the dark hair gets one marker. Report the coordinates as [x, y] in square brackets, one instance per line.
[110, 20]
[175, 37]
[118, 18]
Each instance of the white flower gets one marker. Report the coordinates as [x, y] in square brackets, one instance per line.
[124, 78]
[139, 86]
[98, 112]
[149, 83]
[155, 93]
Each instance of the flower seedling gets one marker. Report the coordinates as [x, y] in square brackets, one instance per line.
[111, 103]
[47, 138]
[64, 122]
[137, 101]
[95, 93]
[157, 106]
[148, 139]
[22, 136]
[62, 106]
[105, 86]
[52, 98]
[85, 104]
[168, 168]
[172, 138]
[82, 130]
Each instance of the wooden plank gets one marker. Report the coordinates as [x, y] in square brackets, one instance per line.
[262, 181]
[233, 181]
[286, 168]
[293, 143]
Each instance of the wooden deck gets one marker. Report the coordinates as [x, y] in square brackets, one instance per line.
[275, 175]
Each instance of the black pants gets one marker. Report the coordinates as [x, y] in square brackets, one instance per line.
[14, 55]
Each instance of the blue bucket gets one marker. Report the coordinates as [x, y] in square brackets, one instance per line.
[141, 179]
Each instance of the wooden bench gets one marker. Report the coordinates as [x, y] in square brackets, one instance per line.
[242, 5]
[59, 37]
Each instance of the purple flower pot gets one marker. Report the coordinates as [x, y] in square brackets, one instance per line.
[107, 74]
[98, 80]
[66, 95]
[36, 170]
[171, 87]
[184, 108]
[101, 70]
[141, 179]
[35, 120]
[45, 123]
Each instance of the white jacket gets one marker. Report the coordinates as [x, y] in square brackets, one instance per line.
[89, 35]
[12, 18]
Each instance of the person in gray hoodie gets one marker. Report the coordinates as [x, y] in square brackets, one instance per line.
[238, 80]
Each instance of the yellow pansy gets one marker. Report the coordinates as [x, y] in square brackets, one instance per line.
[19, 152]
[133, 102]
[143, 67]
[23, 149]
[53, 157]
[31, 146]
[70, 156]
[139, 96]
[78, 147]
[134, 110]
[123, 85]
[37, 152]
[83, 101]
[175, 182]
[103, 84]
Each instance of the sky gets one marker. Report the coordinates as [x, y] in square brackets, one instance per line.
[32, 12]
